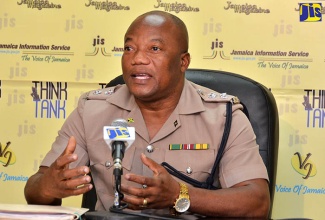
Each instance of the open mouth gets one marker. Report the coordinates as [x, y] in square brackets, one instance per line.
[141, 76]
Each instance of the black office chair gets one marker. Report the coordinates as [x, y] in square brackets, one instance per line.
[261, 107]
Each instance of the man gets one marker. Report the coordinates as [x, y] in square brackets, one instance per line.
[165, 109]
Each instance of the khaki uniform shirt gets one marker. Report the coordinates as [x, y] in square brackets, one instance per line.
[199, 118]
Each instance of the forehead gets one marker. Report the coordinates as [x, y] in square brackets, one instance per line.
[151, 26]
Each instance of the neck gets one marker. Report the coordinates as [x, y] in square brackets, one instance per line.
[155, 113]
[161, 105]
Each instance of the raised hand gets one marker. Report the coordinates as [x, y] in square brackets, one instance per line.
[159, 191]
[50, 184]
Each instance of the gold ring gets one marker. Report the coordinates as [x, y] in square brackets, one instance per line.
[145, 203]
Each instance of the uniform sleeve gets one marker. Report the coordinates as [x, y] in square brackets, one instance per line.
[241, 160]
[73, 126]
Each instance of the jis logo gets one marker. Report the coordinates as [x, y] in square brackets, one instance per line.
[118, 133]
[310, 12]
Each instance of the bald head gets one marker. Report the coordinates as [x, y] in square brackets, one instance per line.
[155, 59]
[160, 19]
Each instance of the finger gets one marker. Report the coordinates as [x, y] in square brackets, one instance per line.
[81, 189]
[134, 191]
[151, 164]
[136, 203]
[75, 182]
[67, 155]
[63, 161]
[71, 146]
[73, 173]
[139, 179]
[76, 191]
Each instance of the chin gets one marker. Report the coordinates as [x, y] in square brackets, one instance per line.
[146, 97]
[141, 90]
[142, 96]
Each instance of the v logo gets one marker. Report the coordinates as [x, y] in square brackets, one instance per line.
[304, 165]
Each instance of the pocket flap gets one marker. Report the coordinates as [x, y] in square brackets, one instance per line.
[195, 163]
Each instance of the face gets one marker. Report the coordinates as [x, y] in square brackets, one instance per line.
[154, 60]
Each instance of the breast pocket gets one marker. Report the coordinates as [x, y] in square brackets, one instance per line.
[102, 166]
[196, 164]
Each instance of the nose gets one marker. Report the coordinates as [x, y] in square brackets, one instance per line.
[140, 57]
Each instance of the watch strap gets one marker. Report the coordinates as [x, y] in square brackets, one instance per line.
[183, 193]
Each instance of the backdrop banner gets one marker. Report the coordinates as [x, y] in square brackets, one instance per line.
[52, 51]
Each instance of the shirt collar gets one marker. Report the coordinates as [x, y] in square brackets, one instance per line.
[190, 101]
[122, 98]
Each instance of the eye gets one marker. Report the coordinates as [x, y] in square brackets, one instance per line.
[154, 48]
[127, 48]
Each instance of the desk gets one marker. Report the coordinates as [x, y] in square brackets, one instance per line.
[107, 215]
[129, 215]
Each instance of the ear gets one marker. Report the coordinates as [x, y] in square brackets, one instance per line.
[185, 61]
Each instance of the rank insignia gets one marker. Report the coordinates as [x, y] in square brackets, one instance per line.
[223, 95]
[97, 92]
[212, 95]
[109, 92]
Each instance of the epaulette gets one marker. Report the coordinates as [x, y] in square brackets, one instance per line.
[101, 94]
[209, 95]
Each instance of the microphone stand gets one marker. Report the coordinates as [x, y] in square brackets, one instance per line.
[118, 194]
[118, 172]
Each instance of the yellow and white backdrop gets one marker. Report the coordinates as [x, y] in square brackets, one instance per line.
[53, 51]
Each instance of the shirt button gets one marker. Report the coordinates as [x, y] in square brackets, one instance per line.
[189, 170]
[108, 164]
[150, 148]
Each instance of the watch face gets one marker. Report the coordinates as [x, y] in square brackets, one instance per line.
[182, 205]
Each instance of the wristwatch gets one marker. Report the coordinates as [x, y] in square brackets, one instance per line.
[182, 203]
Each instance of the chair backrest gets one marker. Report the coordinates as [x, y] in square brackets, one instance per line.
[260, 104]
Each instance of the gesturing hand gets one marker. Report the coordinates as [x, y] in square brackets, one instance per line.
[161, 190]
[58, 181]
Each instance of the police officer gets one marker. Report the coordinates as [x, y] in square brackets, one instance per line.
[176, 121]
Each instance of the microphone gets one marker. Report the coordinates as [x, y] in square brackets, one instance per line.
[119, 138]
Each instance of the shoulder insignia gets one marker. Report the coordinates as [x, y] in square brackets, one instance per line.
[209, 95]
[101, 94]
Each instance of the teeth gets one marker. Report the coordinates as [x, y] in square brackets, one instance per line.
[141, 76]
